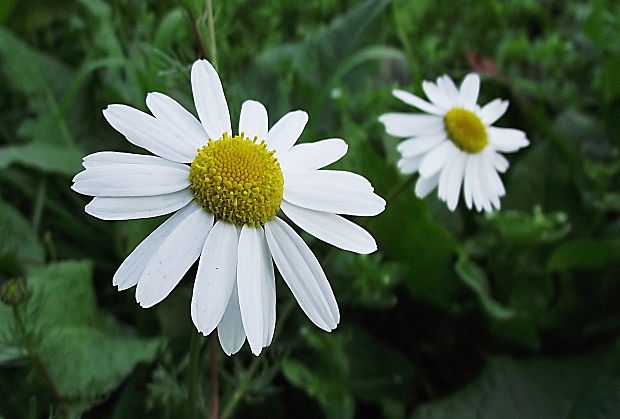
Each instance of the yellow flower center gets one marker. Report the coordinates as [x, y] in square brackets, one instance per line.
[466, 130]
[238, 179]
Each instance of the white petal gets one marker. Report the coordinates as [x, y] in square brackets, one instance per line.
[132, 267]
[507, 140]
[331, 228]
[313, 155]
[149, 133]
[303, 274]
[435, 160]
[217, 272]
[269, 296]
[449, 89]
[209, 99]
[470, 87]
[493, 110]
[255, 286]
[487, 194]
[131, 180]
[107, 158]
[499, 162]
[424, 186]
[455, 179]
[332, 191]
[133, 207]
[468, 191]
[286, 131]
[419, 145]
[176, 254]
[178, 118]
[495, 182]
[230, 330]
[489, 179]
[479, 194]
[419, 103]
[253, 120]
[437, 95]
[444, 176]
[409, 124]
[408, 165]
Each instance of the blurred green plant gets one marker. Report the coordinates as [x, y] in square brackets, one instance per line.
[457, 314]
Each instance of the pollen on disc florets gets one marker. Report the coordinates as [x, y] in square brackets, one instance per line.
[238, 179]
[466, 130]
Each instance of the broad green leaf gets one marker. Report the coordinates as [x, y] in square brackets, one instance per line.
[45, 157]
[86, 353]
[405, 231]
[86, 362]
[370, 380]
[63, 295]
[8, 351]
[579, 387]
[583, 254]
[18, 237]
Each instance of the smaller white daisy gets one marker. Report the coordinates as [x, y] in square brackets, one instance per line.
[455, 143]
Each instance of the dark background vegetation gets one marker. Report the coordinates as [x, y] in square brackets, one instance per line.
[514, 315]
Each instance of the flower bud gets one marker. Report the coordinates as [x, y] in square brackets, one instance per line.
[14, 292]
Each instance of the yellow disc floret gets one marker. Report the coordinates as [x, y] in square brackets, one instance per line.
[466, 130]
[238, 179]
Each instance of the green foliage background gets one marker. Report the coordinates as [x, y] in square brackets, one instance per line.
[457, 315]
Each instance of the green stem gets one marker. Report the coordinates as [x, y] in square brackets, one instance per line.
[401, 188]
[31, 349]
[286, 312]
[39, 205]
[249, 375]
[215, 384]
[211, 29]
[192, 374]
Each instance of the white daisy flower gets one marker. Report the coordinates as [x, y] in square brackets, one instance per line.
[226, 191]
[454, 143]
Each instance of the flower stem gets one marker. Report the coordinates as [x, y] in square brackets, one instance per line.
[211, 29]
[401, 188]
[192, 374]
[30, 346]
[249, 375]
[215, 384]
[286, 312]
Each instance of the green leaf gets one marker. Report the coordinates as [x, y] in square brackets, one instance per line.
[587, 386]
[86, 363]
[63, 295]
[86, 354]
[18, 237]
[335, 400]
[8, 351]
[475, 278]
[41, 79]
[46, 157]
[521, 228]
[405, 229]
[326, 48]
[370, 380]
[610, 78]
[583, 254]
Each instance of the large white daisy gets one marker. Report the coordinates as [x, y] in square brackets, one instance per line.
[455, 143]
[226, 203]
